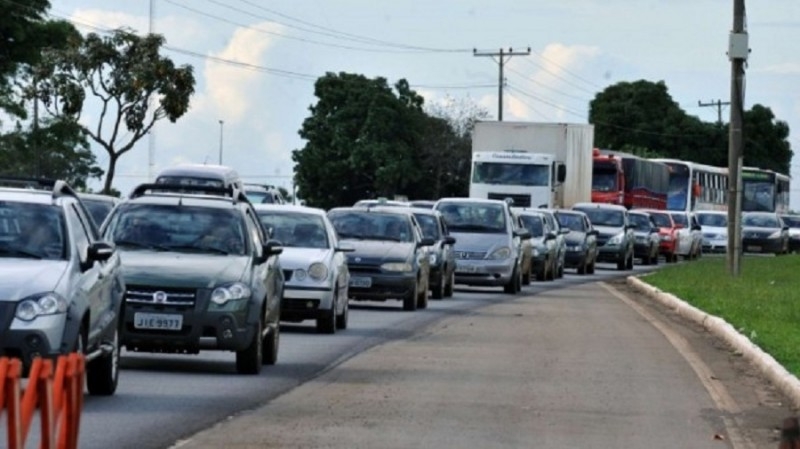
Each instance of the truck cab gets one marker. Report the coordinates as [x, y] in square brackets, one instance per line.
[528, 179]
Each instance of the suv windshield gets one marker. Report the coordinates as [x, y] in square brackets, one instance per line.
[680, 219]
[791, 221]
[30, 230]
[372, 226]
[534, 225]
[661, 220]
[295, 229]
[572, 222]
[760, 221]
[178, 228]
[642, 222]
[474, 217]
[429, 225]
[98, 209]
[605, 217]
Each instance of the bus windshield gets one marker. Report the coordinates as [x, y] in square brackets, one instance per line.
[758, 196]
[678, 192]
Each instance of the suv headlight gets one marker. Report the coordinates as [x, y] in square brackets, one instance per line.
[232, 292]
[42, 304]
[397, 267]
[500, 253]
[318, 271]
[617, 239]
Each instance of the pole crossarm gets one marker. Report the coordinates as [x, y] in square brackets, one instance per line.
[502, 57]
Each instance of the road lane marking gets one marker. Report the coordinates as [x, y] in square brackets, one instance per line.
[719, 394]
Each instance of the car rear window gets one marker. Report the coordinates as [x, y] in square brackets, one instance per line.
[372, 226]
[295, 229]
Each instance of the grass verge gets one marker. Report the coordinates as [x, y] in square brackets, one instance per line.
[763, 303]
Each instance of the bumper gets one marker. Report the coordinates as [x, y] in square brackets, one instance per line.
[200, 328]
[762, 245]
[641, 249]
[794, 244]
[383, 286]
[484, 272]
[715, 246]
[574, 259]
[611, 253]
[305, 303]
[41, 337]
[667, 247]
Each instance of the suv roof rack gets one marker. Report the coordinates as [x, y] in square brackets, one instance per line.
[59, 187]
[228, 192]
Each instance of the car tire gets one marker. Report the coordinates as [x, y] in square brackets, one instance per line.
[269, 350]
[590, 268]
[583, 266]
[342, 318]
[437, 292]
[326, 324]
[422, 298]
[655, 257]
[102, 374]
[448, 289]
[511, 286]
[410, 300]
[249, 359]
[560, 272]
[621, 263]
[629, 263]
[526, 277]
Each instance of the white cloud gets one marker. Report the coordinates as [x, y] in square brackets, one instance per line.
[177, 30]
[787, 68]
[230, 88]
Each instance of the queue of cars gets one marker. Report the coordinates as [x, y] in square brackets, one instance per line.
[199, 260]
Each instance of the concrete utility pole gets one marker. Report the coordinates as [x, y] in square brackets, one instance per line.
[719, 104]
[220, 141]
[738, 51]
[502, 58]
[151, 135]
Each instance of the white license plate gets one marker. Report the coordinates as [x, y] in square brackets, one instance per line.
[160, 321]
[466, 268]
[754, 249]
[362, 282]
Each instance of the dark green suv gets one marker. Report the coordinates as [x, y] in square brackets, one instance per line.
[200, 273]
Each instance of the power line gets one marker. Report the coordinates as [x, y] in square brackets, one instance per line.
[502, 58]
[556, 75]
[539, 83]
[567, 71]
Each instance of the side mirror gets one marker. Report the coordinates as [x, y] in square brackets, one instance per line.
[344, 249]
[524, 234]
[561, 174]
[593, 232]
[449, 240]
[100, 251]
[696, 228]
[564, 231]
[630, 226]
[426, 242]
[550, 235]
[273, 248]
[655, 230]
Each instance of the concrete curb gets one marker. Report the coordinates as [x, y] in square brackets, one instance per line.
[785, 381]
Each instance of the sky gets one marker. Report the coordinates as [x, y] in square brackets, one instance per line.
[256, 61]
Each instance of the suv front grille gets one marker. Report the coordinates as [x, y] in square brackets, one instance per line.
[160, 296]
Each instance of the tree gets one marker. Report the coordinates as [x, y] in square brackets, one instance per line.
[67, 154]
[362, 141]
[133, 85]
[643, 115]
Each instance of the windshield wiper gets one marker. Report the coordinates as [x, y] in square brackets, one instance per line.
[344, 235]
[475, 227]
[6, 251]
[136, 244]
[203, 249]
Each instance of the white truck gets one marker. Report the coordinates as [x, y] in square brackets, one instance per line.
[534, 164]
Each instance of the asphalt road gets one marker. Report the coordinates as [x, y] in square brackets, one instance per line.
[162, 399]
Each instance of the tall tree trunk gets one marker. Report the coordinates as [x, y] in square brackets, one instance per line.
[112, 167]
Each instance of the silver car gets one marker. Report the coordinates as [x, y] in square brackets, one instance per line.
[316, 277]
[488, 248]
[61, 287]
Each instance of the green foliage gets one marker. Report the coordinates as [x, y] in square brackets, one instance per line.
[761, 303]
[56, 149]
[643, 115]
[132, 84]
[366, 139]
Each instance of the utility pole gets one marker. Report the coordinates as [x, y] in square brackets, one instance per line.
[738, 51]
[719, 104]
[502, 58]
[220, 141]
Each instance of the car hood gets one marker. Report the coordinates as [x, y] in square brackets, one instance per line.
[479, 242]
[378, 251]
[714, 230]
[575, 237]
[293, 258]
[608, 231]
[20, 278]
[758, 233]
[181, 270]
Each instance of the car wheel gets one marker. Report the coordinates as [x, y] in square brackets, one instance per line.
[341, 319]
[629, 263]
[410, 300]
[269, 351]
[248, 360]
[590, 268]
[655, 256]
[526, 277]
[511, 286]
[622, 262]
[102, 374]
[583, 266]
[326, 324]
[451, 280]
[560, 272]
[437, 292]
[422, 298]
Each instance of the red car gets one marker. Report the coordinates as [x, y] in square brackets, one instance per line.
[668, 232]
